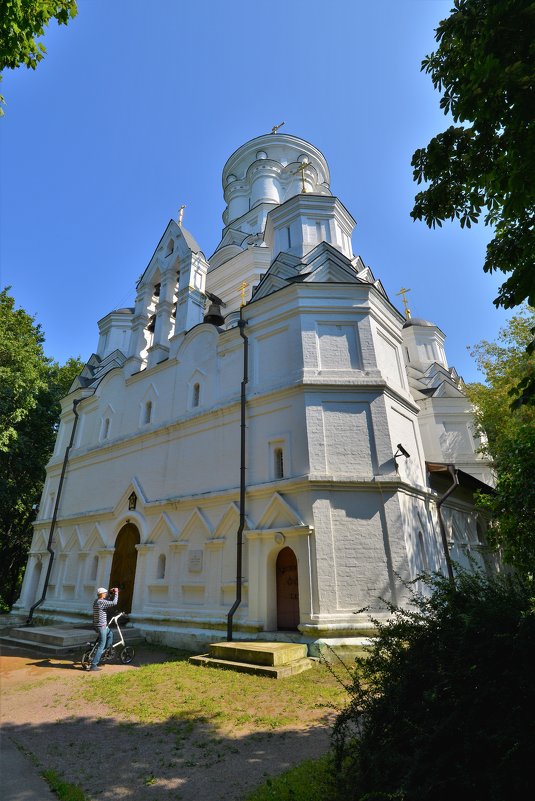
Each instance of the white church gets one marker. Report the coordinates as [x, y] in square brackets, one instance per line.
[263, 445]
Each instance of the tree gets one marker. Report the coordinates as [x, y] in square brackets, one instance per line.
[510, 440]
[22, 23]
[443, 705]
[485, 68]
[31, 387]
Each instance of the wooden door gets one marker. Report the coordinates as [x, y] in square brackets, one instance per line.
[287, 591]
[123, 568]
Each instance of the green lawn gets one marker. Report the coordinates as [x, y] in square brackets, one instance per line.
[181, 692]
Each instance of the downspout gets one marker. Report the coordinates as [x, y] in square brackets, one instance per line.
[55, 514]
[239, 540]
[453, 472]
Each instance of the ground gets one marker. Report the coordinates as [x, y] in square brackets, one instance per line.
[130, 749]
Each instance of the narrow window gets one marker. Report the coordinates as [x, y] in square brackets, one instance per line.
[170, 247]
[148, 412]
[160, 573]
[106, 428]
[196, 397]
[278, 458]
[423, 554]
[94, 569]
[289, 236]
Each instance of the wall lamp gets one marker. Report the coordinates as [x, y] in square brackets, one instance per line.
[400, 452]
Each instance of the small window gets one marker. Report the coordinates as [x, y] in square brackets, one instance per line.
[196, 396]
[94, 569]
[288, 236]
[156, 290]
[148, 412]
[160, 571]
[106, 428]
[278, 457]
[152, 324]
[424, 564]
[170, 247]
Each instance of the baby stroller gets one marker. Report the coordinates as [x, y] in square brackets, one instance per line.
[126, 654]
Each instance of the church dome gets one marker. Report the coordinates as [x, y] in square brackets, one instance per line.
[271, 169]
[419, 322]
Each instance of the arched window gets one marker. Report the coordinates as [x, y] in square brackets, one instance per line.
[160, 571]
[196, 395]
[148, 412]
[278, 462]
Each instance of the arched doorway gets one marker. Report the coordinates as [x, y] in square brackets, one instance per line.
[123, 567]
[287, 590]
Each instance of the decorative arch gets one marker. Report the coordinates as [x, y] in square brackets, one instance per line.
[123, 568]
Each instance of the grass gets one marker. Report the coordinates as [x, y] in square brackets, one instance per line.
[178, 692]
[309, 781]
[64, 790]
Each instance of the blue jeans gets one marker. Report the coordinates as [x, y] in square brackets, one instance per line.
[105, 640]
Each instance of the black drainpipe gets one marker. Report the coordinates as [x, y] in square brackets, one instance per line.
[239, 544]
[453, 473]
[54, 516]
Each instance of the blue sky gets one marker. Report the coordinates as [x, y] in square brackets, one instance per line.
[137, 106]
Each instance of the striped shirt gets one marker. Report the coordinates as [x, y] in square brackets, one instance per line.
[99, 611]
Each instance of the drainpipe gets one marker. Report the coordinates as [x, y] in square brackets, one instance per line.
[453, 473]
[239, 544]
[55, 514]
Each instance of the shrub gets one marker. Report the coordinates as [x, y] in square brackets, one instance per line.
[444, 705]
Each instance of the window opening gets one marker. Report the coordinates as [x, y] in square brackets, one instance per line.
[170, 247]
[160, 572]
[148, 412]
[196, 398]
[278, 457]
[106, 428]
[94, 569]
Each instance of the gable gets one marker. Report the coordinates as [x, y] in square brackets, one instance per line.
[279, 514]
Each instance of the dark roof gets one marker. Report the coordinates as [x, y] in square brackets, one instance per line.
[466, 480]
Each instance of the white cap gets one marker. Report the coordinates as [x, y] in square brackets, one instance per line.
[101, 590]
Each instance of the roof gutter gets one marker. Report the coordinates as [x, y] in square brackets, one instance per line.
[452, 470]
[55, 514]
[239, 539]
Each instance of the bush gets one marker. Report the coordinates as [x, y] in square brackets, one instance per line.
[444, 705]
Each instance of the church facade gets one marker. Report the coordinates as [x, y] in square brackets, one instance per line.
[263, 433]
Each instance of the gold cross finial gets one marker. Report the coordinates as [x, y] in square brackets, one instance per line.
[403, 292]
[181, 213]
[301, 169]
[243, 286]
[276, 127]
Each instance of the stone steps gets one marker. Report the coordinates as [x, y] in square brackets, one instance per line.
[58, 640]
[276, 660]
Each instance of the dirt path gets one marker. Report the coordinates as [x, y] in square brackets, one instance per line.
[43, 712]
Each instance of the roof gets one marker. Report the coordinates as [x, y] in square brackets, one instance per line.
[466, 480]
[418, 321]
[190, 240]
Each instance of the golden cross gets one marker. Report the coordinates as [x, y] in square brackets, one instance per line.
[243, 286]
[276, 127]
[403, 292]
[181, 213]
[301, 169]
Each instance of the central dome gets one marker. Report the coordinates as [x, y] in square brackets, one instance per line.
[271, 169]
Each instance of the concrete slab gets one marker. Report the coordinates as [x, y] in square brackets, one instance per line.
[272, 672]
[21, 779]
[273, 654]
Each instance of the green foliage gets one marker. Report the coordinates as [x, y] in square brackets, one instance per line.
[64, 790]
[444, 705]
[484, 67]
[31, 387]
[309, 781]
[510, 443]
[22, 23]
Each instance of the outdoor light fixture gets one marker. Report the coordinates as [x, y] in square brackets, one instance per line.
[132, 501]
[400, 452]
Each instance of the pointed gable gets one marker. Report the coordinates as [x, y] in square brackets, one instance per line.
[279, 514]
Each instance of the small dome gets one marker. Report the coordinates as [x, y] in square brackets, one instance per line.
[418, 321]
[124, 311]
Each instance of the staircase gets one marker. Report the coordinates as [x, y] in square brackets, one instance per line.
[274, 659]
[57, 640]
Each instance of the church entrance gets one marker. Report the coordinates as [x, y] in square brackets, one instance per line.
[123, 568]
[287, 591]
